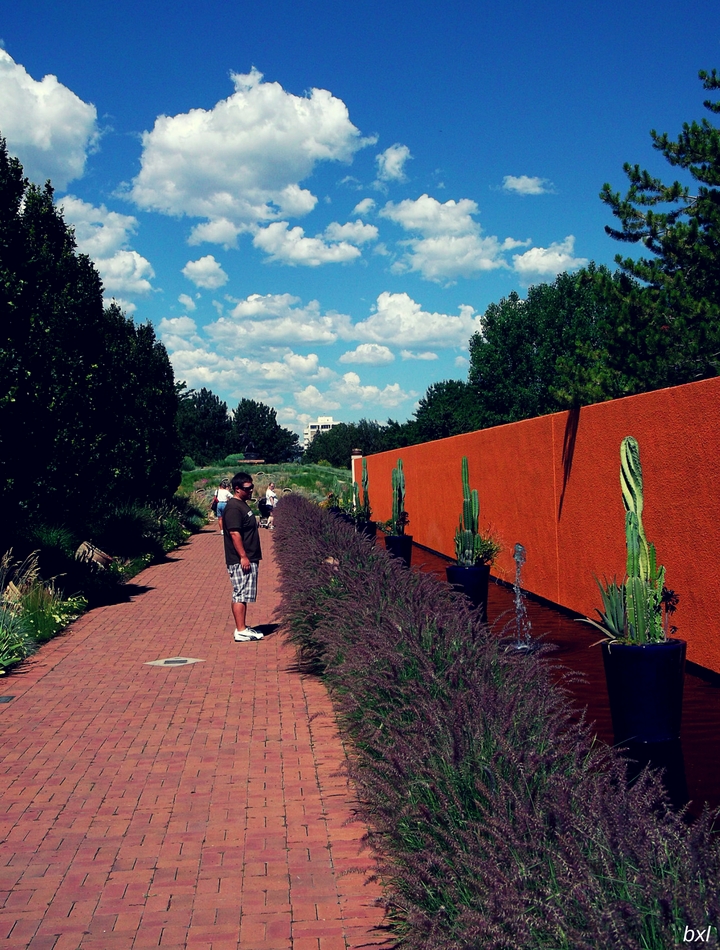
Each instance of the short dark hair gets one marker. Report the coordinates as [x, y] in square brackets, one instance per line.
[239, 479]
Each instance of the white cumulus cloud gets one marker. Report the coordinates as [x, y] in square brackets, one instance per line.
[206, 273]
[104, 236]
[425, 355]
[451, 243]
[241, 162]
[371, 353]
[391, 163]
[312, 400]
[187, 302]
[527, 185]
[126, 272]
[399, 317]
[48, 127]
[348, 392]
[276, 320]
[292, 247]
[364, 207]
[217, 231]
[354, 232]
[548, 261]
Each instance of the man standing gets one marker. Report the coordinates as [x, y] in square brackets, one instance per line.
[242, 553]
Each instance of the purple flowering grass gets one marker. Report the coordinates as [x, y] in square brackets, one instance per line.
[496, 818]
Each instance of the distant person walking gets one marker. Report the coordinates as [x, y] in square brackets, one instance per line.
[271, 499]
[242, 553]
[223, 495]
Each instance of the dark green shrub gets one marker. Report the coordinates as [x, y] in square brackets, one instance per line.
[188, 464]
[124, 530]
[56, 548]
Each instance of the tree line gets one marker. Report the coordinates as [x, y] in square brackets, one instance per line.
[90, 409]
[595, 334]
[91, 416]
[208, 432]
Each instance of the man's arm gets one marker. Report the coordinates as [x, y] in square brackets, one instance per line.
[236, 539]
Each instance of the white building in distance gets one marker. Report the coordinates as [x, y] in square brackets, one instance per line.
[323, 424]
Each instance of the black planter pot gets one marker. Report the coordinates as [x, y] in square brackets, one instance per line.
[367, 528]
[645, 688]
[473, 582]
[400, 545]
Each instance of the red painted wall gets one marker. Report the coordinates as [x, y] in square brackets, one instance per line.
[553, 484]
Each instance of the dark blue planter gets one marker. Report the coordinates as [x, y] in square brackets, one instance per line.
[473, 582]
[366, 528]
[400, 545]
[645, 688]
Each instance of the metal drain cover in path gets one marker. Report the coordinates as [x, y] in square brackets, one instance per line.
[174, 661]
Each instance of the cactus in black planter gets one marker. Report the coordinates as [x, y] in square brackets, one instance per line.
[644, 666]
[363, 511]
[397, 542]
[474, 551]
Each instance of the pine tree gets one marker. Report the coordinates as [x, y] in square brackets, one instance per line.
[667, 329]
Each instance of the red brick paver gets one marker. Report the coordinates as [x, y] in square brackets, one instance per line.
[192, 806]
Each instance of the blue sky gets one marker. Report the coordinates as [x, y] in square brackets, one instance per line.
[315, 202]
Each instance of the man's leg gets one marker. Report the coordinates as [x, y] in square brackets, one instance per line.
[239, 611]
[244, 592]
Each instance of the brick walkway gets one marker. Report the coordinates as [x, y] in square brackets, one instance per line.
[192, 806]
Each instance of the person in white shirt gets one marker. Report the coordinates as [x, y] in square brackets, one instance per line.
[223, 495]
[272, 499]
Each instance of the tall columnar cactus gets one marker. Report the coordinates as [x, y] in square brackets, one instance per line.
[471, 546]
[361, 504]
[366, 509]
[399, 515]
[467, 539]
[645, 579]
[633, 611]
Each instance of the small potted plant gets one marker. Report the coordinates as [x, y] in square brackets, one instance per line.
[644, 663]
[340, 503]
[397, 542]
[363, 511]
[474, 552]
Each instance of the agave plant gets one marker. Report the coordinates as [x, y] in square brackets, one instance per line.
[471, 546]
[638, 610]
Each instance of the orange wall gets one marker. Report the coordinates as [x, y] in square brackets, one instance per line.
[570, 516]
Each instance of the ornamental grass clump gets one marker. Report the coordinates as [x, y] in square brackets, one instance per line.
[497, 820]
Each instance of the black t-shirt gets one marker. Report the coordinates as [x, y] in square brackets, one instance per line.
[239, 517]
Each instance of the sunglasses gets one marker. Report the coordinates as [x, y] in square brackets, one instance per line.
[247, 487]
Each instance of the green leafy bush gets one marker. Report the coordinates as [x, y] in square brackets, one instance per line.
[45, 612]
[31, 611]
[16, 644]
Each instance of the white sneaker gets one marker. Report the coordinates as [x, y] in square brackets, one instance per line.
[248, 634]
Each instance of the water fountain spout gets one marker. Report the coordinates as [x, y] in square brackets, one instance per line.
[522, 621]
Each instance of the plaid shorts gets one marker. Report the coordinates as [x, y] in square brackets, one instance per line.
[244, 585]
